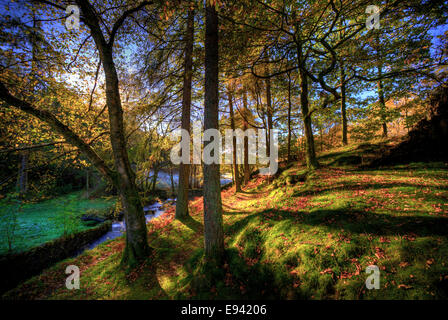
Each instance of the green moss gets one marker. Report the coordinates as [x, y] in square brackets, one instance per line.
[31, 224]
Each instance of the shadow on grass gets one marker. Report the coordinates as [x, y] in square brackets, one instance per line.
[236, 279]
[361, 187]
[191, 223]
[356, 221]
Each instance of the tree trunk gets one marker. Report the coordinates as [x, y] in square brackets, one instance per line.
[184, 168]
[246, 167]
[154, 179]
[234, 151]
[343, 106]
[289, 117]
[268, 113]
[137, 248]
[213, 231]
[311, 160]
[173, 189]
[382, 102]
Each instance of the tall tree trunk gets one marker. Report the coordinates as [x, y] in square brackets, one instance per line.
[173, 189]
[184, 168]
[234, 151]
[289, 117]
[311, 160]
[137, 248]
[310, 154]
[268, 113]
[213, 231]
[154, 179]
[246, 167]
[343, 105]
[382, 102]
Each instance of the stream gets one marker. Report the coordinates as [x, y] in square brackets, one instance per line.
[119, 227]
[151, 211]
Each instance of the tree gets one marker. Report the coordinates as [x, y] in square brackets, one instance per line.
[123, 178]
[184, 169]
[236, 173]
[213, 231]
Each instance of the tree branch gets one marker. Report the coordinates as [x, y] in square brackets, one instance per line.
[60, 128]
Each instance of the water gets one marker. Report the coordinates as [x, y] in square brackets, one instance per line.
[164, 180]
[151, 211]
[119, 227]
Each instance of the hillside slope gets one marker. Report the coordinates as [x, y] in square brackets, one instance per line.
[300, 236]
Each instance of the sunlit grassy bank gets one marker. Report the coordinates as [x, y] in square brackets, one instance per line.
[26, 225]
[306, 236]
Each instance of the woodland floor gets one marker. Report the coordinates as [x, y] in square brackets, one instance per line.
[289, 239]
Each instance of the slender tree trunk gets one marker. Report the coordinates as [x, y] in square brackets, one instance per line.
[173, 189]
[343, 106]
[213, 231]
[137, 248]
[246, 167]
[311, 160]
[154, 179]
[234, 151]
[268, 113]
[184, 168]
[321, 134]
[382, 102]
[289, 117]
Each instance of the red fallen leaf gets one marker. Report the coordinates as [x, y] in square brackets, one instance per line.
[404, 286]
[382, 240]
[327, 271]
[379, 253]
[404, 264]
[430, 261]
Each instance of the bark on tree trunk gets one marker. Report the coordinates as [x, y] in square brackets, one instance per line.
[137, 248]
[246, 167]
[234, 151]
[268, 113]
[173, 189]
[343, 106]
[184, 168]
[213, 231]
[382, 102]
[154, 179]
[311, 160]
[289, 117]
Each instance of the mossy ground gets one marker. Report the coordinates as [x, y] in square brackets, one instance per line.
[31, 224]
[289, 238]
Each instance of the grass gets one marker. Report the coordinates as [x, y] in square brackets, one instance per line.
[289, 238]
[32, 224]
